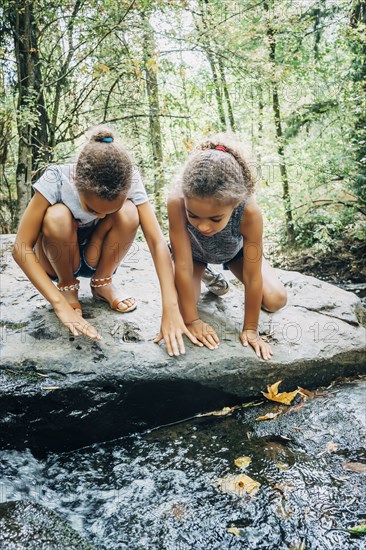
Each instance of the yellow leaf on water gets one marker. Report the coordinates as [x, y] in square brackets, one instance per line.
[282, 466]
[233, 530]
[238, 485]
[273, 390]
[252, 404]
[268, 416]
[305, 392]
[222, 412]
[242, 461]
[331, 446]
[357, 467]
[285, 397]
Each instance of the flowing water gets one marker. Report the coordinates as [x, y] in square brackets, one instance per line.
[159, 489]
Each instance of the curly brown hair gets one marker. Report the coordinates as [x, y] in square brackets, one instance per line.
[221, 174]
[104, 167]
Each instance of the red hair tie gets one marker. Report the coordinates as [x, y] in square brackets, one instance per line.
[221, 148]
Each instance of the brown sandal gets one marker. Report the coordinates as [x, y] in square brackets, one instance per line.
[74, 285]
[96, 283]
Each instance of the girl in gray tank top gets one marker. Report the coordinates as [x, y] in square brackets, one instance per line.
[213, 218]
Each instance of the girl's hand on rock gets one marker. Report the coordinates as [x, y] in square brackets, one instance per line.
[261, 348]
[75, 323]
[171, 330]
[204, 334]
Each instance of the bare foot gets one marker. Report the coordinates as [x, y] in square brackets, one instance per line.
[71, 297]
[113, 296]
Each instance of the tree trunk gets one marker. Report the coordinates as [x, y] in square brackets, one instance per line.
[33, 136]
[206, 44]
[216, 83]
[152, 89]
[260, 131]
[358, 45]
[226, 94]
[279, 133]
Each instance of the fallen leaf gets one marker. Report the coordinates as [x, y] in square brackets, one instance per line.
[331, 446]
[298, 545]
[233, 530]
[307, 393]
[223, 412]
[282, 466]
[238, 485]
[252, 404]
[268, 416]
[242, 461]
[285, 397]
[357, 467]
[178, 511]
[358, 529]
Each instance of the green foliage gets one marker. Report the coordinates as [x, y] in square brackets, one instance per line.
[213, 70]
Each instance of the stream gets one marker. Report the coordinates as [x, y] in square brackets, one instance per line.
[159, 489]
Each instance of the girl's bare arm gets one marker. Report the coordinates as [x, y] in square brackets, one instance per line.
[183, 262]
[172, 325]
[252, 230]
[28, 233]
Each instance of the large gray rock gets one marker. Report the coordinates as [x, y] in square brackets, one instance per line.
[56, 393]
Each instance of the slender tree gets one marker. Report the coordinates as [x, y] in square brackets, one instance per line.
[152, 89]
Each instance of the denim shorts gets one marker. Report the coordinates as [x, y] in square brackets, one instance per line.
[236, 257]
[84, 269]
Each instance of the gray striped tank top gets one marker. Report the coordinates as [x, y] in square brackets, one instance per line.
[221, 247]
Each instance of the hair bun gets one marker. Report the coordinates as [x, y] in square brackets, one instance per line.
[100, 134]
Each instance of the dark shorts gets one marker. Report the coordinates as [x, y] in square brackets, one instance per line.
[236, 257]
[84, 269]
[224, 265]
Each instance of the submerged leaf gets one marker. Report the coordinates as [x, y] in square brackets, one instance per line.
[238, 485]
[233, 530]
[331, 446]
[357, 467]
[268, 416]
[306, 393]
[242, 461]
[285, 397]
[222, 412]
[358, 529]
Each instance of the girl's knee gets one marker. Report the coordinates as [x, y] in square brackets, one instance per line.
[58, 222]
[275, 300]
[128, 216]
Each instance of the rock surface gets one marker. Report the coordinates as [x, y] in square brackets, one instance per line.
[56, 393]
